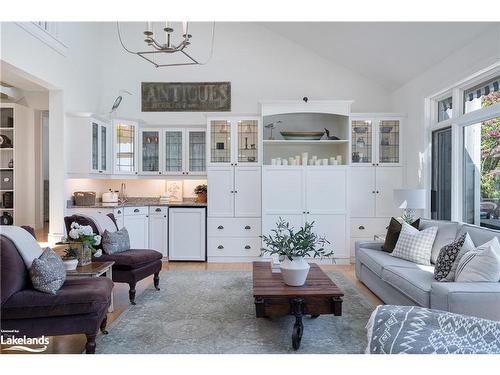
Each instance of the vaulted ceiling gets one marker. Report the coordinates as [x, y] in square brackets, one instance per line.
[390, 53]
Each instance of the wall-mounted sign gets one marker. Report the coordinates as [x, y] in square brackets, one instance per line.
[186, 96]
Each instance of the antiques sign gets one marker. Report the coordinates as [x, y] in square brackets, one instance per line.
[186, 96]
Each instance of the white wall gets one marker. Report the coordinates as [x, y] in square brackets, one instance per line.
[479, 54]
[260, 64]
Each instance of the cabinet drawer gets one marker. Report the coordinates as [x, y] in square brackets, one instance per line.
[233, 247]
[117, 211]
[136, 210]
[234, 227]
[368, 227]
[158, 210]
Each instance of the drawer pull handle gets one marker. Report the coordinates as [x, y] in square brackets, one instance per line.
[220, 227]
[118, 212]
[361, 227]
[248, 227]
[158, 210]
[247, 247]
[220, 247]
[136, 210]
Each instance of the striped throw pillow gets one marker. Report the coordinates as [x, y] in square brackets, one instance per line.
[481, 264]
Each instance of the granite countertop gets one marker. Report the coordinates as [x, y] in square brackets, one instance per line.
[135, 202]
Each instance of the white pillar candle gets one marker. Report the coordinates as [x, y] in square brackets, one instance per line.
[332, 160]
[290, 160]
[325, 161]
[317, 162]
[335, 162]
[339, 159]
[305, 156]
[273, 161]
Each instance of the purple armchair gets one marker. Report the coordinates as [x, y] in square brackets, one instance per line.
[130, 266]
[80, 306]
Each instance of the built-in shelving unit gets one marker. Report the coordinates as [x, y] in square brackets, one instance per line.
[7, 162]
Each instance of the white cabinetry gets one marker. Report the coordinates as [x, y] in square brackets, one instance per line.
[125, 146]
[183, 151]
[306, 194]
[187, 234]
[136, 220]
[158, 229]
[87, 136]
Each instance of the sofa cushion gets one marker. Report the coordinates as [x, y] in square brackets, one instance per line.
[79, 296]
[481, 264]
[130, 259]
[14, 275]
[48, 272]
[393, 231]
[447, 233]
[415, 283]
[447, 257]
[479, 235]
[415, 245]
[115, 242]
[377, 260]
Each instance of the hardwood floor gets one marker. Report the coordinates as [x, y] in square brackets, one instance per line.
[75, 344]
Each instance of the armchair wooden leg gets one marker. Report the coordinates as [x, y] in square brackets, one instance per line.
[156, 280]
[90, 345]
[131, 293]
[103, 325]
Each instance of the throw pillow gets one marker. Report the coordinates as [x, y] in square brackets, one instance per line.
[480, 265]
[466, 247]
[415, 245]
[47, 272]
[446, 257]
[115, 242]
[393, 232]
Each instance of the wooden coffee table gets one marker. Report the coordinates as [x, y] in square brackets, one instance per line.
[273, 298]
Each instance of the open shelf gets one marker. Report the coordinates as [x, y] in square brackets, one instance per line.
[304, 142]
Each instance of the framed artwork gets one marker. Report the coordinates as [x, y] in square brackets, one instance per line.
[175, 190]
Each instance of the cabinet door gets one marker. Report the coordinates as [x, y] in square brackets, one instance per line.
[104, 149]
[283, 190]
[118, 214]
[187, 240]
[362, 192]
[388, 142]
[247, 145]
[219, 142]
[247, 198]
[196, 152]
[174, 151]
[326, 190]
[149, 153]
[125, 145]
[362, 137]
[158, 233]
[94, 158]
[387, 179]
[269, 222]
[138, 230]
[333, 228]
[220, 191]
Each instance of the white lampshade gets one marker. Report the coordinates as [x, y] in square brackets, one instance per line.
[410, 198]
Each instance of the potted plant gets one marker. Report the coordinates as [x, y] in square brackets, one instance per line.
[292, 246]
[201, 193]
[70, 258]
[84, 239]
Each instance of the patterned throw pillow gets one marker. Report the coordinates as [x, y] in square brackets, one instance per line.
[393, 231]
[415, 245]
[480, 265]
[466, 247]
[446, 257]
[47, 272]
[115, 242]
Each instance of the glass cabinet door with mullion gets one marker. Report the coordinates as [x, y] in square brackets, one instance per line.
[150, 151]
[389, 142]
[94, 161]
[196, 158]
[125, 145]
[247, 141]
[104, 148]
[220, 147]
[174, 149]
[362, 142]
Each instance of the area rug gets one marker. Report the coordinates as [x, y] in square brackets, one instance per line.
[206, 312]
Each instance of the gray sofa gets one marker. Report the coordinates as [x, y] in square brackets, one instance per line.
[399, 282]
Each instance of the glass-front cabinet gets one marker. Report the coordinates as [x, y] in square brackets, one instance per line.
[174, 151]
[233, 141]
[197, 144]
[149, 156]
[100, 147]
[376, 140]
[125, 147]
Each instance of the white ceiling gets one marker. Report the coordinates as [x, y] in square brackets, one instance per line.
[390, 53]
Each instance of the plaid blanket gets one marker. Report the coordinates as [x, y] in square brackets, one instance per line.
[417, 330]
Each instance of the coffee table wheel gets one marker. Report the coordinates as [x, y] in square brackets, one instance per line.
[298, 329]
[314, 316]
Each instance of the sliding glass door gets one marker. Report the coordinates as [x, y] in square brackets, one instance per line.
[441, 174]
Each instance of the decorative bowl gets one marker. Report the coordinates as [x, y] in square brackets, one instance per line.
[309, 136]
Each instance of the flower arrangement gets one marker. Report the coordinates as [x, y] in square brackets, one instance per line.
[84, 234]
[284, 241]
[201, 192]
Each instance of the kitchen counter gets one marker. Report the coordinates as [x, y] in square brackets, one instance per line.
[136, 202]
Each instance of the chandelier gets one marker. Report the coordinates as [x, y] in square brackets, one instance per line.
[159, 44]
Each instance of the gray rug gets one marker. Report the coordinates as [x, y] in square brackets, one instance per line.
[213, 312]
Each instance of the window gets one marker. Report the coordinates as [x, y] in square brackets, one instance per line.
[445, 109]
[441, 174]
[473, 97]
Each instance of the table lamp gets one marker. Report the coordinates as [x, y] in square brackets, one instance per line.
[409, 200]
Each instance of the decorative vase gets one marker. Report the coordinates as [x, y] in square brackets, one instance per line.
[294, 271]
[201, 198]
[70, 264]
[84, 254]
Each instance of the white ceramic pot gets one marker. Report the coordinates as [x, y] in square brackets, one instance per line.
[294, 271]
[70, 264]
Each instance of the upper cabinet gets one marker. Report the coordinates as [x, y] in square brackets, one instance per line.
[376, 140]
[149, 155]
[125, 147]
[233, 141]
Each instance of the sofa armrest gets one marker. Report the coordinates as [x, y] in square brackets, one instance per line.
[476, 299]
[373, 245]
